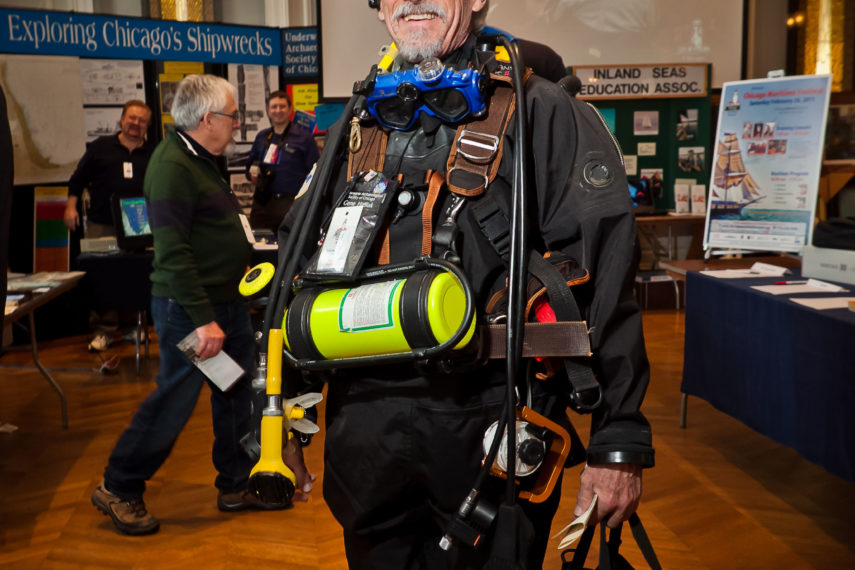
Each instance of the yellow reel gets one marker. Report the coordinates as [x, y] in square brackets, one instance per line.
[256, 279]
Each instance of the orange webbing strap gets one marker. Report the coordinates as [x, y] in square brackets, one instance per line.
[477, 150]
[385, 250]
[371, 154]
[435, 182]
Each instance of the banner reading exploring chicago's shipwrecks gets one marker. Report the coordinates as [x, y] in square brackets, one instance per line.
[766, 163]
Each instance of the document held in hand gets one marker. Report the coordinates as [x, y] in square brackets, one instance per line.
[221, 368]
[571, 533]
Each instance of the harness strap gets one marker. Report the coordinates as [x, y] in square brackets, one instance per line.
[371, 154]
[435, 182]
[587, 392]
[493, 223]
[560, 339]
[385, 250]
[477, 150]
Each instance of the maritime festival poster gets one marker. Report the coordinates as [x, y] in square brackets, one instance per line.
[766, 163]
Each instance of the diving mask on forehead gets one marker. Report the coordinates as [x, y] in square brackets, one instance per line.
[445, 93]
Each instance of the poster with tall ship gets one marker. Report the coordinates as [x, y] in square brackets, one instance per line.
[766, 163]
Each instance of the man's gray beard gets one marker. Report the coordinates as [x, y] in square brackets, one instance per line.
[231, 149]
[418, 52]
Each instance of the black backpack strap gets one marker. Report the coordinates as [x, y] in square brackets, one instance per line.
[643, 542]
[609, 548]
[610, 557]
[580, 553]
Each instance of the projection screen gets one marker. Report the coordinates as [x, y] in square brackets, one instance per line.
[584, 32]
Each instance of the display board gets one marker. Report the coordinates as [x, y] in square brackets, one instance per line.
[766, 163]
[45, 104]
[583, 32]
[660, 115]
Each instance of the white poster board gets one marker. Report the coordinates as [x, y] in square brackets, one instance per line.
[766, 163]
[43, 96]
[254, 84]
[111, 81]
[101, 121]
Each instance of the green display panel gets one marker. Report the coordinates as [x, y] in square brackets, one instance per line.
[670, 136]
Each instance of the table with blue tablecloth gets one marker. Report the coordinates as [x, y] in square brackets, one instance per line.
[783, 369]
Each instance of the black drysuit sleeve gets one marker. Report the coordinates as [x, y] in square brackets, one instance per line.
[582, 207]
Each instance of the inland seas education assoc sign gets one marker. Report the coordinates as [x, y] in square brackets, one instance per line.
[659, 81]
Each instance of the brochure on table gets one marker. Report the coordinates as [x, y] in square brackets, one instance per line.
[766, 163]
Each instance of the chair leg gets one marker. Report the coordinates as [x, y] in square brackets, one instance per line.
[138, 339]
[146, 335]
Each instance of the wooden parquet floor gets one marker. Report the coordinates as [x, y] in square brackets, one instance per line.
[721, 496]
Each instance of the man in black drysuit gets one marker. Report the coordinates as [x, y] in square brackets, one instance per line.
[403, 443]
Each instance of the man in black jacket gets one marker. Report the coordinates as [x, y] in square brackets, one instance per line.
[403, 443]
[111, 164]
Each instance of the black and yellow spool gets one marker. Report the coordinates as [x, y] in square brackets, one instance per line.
[256, 280]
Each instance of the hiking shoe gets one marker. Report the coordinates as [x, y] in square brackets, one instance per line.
[129, 516]
[244, 500]
[100, 342]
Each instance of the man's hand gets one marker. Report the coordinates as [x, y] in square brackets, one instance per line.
[618, 488]
[292, 455]
[211, 339]
[70, 216]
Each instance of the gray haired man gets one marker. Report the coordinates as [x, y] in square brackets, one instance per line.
[197, 268]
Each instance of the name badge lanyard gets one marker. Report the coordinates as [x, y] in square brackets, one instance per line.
[275, 158]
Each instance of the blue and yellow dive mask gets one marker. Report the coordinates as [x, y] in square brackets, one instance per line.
[431, 88]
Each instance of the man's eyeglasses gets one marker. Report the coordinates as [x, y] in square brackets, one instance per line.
[235, 117]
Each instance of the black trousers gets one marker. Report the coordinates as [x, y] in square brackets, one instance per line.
[400, 457]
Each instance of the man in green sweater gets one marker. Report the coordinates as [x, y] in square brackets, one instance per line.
[201, 251]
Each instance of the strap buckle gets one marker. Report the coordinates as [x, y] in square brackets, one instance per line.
[482, 147]
[587, 399]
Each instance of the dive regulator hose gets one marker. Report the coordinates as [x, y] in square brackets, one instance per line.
[517, 271]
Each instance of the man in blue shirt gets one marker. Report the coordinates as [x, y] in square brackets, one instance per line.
[281, 158]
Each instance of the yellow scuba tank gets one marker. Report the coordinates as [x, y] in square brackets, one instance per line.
[421, 309]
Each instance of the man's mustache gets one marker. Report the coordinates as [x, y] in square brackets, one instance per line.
[409, 8]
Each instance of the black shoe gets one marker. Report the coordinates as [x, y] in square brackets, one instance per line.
[244, 500]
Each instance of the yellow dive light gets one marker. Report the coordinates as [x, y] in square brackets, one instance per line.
[421, 309]
[271, 480]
